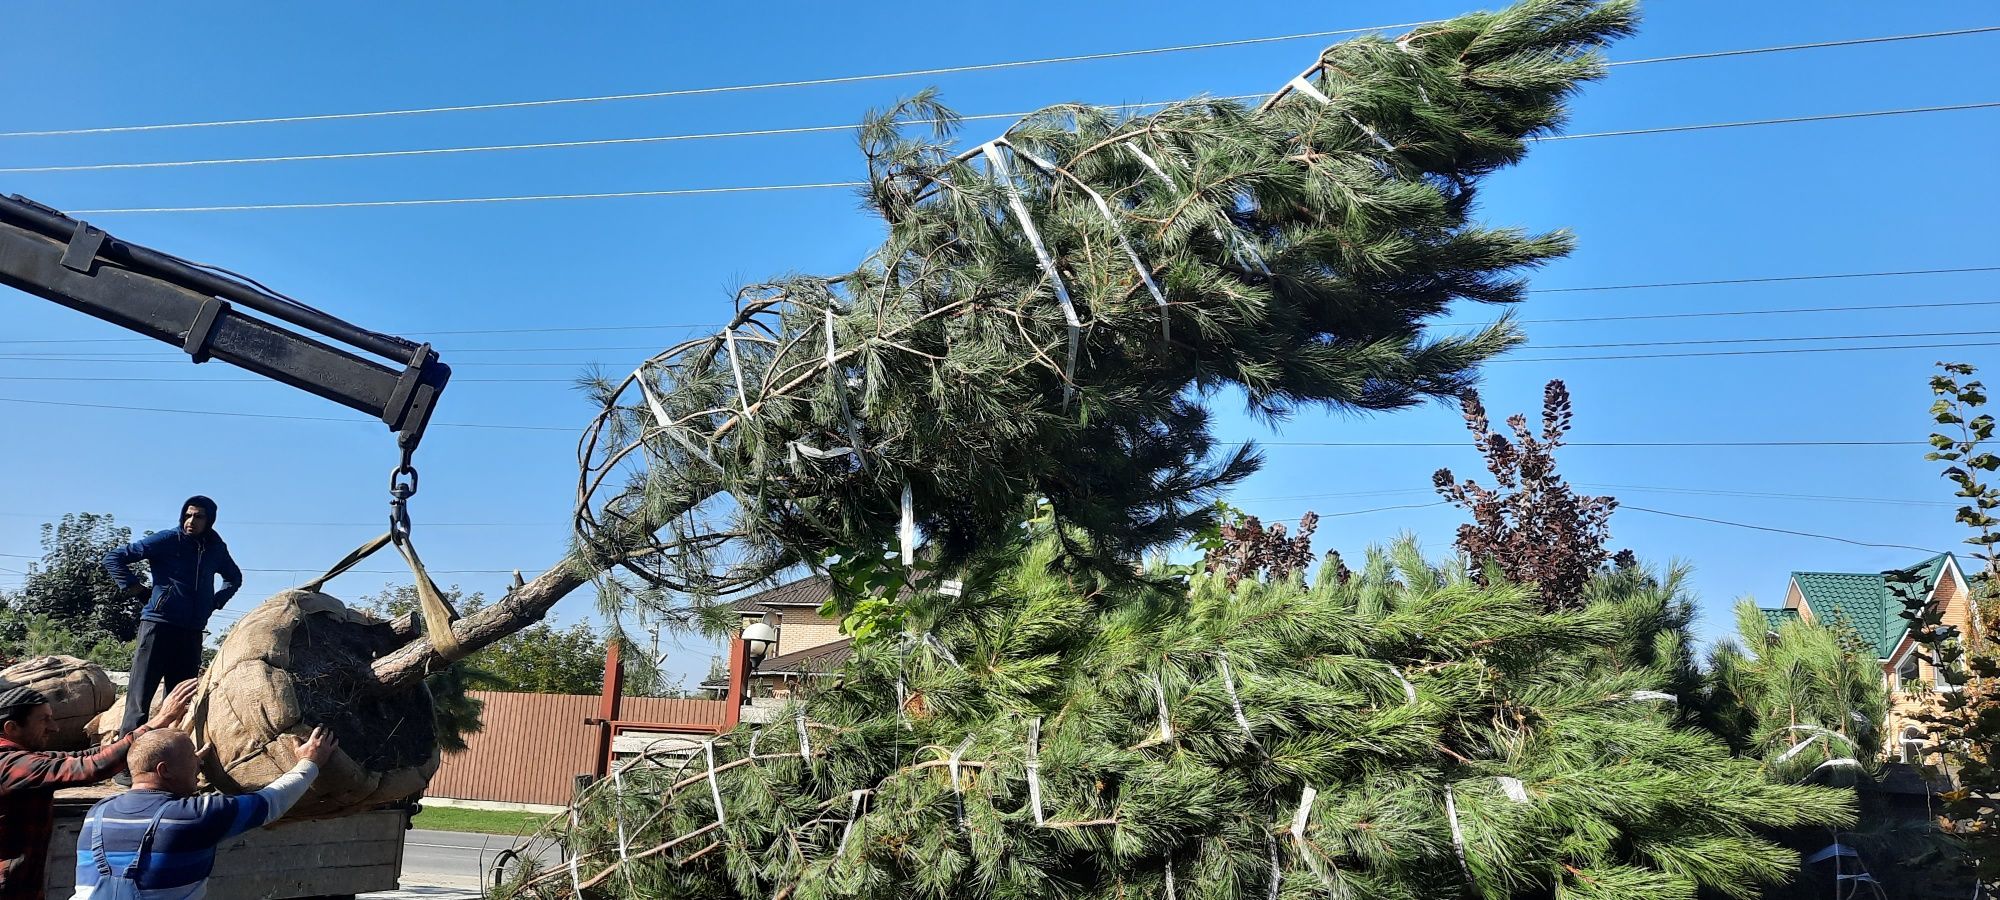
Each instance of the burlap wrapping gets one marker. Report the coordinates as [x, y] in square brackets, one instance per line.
[254, 701]
[77, 690]
[104, 728]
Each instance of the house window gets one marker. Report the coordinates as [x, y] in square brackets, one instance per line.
[1912, 744]
[1907, 677]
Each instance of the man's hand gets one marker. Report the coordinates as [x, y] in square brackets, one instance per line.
[175, 706]
[134, 591]
[318, 746]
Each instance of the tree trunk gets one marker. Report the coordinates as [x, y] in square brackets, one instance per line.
[521, 607]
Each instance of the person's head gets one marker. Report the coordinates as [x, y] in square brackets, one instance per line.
[25, 717]
[164, 760]
[197, 515]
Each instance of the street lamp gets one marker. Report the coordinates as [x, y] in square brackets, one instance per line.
[758, 639]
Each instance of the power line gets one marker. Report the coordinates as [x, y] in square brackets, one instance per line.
[268, 571]
[1766, 279]
[1684, 57]
[1788, 120]
[1824, 537]
[1646, 316]
[1467, 324]
[244, 415]
[824, 129]
[1468, 443]
[585, 363]
[1705, 353]
[1763, 340]
[1793, 443]
[761, 188]
[1762, 495]
[1820, 45]
[722, 89]
[248, 380]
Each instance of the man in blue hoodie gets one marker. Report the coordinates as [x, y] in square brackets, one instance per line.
[185, 562]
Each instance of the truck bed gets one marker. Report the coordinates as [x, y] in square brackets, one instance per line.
[291, 859]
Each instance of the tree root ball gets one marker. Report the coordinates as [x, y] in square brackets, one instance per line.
[77, 690]
[301, 660]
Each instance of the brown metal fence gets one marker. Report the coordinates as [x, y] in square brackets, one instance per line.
[534, 745]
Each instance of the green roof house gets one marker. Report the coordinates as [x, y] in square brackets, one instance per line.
[1869, 604]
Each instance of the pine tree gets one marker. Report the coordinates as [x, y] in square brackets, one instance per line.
[1805, 698]
[1050, 310]
[1405, 732]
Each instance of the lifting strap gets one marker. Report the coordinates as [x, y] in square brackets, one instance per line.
[436, 614]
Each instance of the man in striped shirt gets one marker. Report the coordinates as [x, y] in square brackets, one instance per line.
[30, 775]
[185, 828]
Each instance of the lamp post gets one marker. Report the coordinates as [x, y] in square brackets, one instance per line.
[758, 640]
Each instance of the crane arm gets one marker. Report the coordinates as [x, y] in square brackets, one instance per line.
[201, 310]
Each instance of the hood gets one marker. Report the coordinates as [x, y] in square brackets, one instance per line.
[200, 502]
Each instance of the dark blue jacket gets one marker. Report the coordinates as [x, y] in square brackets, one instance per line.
[184, 571]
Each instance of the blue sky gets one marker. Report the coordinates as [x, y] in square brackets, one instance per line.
[1877, 194]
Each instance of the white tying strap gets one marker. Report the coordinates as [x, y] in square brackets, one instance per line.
[1299, 818]
[1654, 695]
[1409, 690]
[957, 789]
[1845, 762]
[1457, 833]
[1035, 767]
[1277, 869]
[938, 647]
[1515, 790]
[833, 375]
[1160, 694]
[666, 422]
[853, 810]
[1235, 702]
[1170, 880]
[1117, 228]
[805, 740]
[902, 699]
[1803, 745]
[908, 532]
[1005, 176]
[714, 786]
[1306, 87]
[577, 883]
[618, 808]
[742, 393]
[1234, 245]
[797, 448]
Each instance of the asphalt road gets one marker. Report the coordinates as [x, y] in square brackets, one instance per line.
[456, 859]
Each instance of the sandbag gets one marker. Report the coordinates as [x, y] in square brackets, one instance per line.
[77, 690]
[301, 660]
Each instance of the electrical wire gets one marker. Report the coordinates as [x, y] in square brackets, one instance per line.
[1464, 324]
[765, 188]
[848, 79]
[1750, 340]
[244, 415]
[1711, 353]
[1824, 537]
[825, 129]
[721, 89]
[1632, 318]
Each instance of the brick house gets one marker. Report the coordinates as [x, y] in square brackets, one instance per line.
[1865, 603]
[809, 645]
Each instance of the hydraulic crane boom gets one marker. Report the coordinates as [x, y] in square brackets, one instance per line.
[162, 296]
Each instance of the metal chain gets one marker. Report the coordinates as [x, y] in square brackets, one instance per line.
[402, 486]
